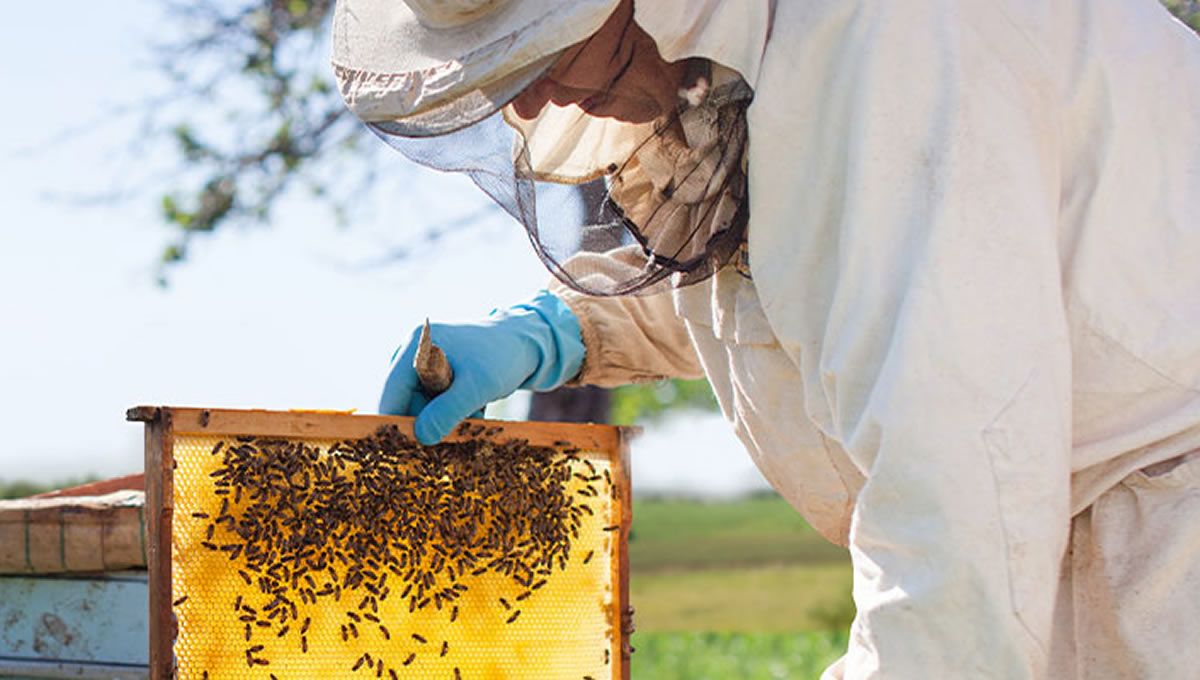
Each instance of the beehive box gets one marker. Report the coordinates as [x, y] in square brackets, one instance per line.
[306, 544]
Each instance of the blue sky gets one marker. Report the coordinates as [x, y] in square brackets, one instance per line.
[280, 316]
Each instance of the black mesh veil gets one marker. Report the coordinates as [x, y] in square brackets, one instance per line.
[675, 206]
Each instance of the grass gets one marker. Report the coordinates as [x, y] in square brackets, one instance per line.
[741, 590]
[734, 656]
[685, 535]
[773, 598]
[746, 566]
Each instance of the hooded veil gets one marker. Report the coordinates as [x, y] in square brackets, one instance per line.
[676, 195]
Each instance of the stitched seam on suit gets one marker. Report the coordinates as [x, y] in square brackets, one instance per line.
[1090, 327]
[1151, 367]
[990, 445]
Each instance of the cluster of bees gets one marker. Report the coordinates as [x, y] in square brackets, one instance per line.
[384, 517]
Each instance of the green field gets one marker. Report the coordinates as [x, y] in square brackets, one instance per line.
[735, 656]
[737, 590]
[762, 599]
[757, 531]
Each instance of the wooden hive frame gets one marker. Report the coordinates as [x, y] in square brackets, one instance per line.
[164, 423]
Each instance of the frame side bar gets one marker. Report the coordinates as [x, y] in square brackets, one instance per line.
[624, 483]
[160, 503]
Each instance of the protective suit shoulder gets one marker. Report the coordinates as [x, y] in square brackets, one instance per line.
[730, 32]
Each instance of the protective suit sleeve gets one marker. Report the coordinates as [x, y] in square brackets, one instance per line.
[904, 243]
[627, 339]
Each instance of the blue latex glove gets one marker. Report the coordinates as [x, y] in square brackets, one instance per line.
[536, 345]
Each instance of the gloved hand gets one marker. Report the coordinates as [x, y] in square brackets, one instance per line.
[535, 345]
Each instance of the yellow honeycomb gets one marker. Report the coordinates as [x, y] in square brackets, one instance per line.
[564, 628]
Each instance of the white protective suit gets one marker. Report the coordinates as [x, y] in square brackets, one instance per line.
[971, 347]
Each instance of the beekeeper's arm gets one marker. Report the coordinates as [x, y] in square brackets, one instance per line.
[558, 337]
[905, 244]
[629, 338]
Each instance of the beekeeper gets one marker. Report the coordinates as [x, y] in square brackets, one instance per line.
[940, 261]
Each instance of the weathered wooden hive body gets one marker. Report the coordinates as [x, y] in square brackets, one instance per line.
[306, 544]
[73, 591]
